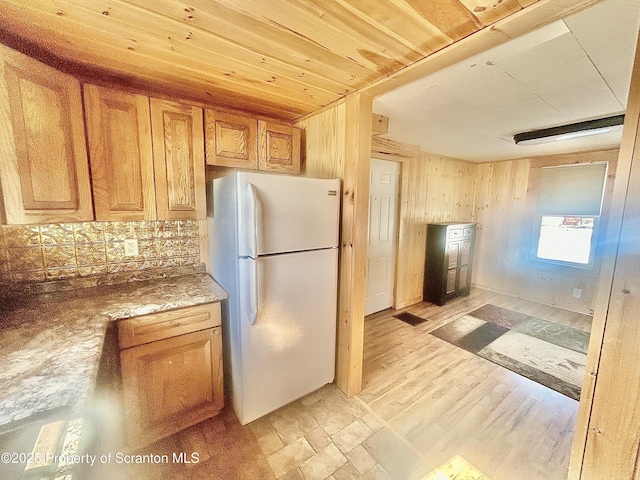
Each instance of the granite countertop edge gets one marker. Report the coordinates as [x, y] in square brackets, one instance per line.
[51, 343]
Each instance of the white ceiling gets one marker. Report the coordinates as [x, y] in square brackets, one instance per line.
[572, 70]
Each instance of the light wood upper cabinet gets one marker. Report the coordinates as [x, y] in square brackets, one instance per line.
[178, 159]
[44, 170]
[231, 140]
[248, 143]
[120, 152]
[278, 147]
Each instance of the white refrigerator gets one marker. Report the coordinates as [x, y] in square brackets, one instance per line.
[274, 245]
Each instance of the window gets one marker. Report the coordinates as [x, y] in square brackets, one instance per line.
[567, 213]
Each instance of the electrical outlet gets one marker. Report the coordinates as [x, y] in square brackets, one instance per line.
[577, 293]
[131, 247]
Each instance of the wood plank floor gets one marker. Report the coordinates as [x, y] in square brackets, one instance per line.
[444, 401]
[426, 404]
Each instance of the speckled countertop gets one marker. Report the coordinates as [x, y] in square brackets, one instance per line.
[51, 343]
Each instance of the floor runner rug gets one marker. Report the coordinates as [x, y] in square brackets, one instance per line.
[548, 353]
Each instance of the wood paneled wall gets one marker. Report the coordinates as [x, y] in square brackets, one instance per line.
[500, 196]
[500, 203]
[330, 152]
[607, 444]
[434, 189]
[323, 137]
[505, 200]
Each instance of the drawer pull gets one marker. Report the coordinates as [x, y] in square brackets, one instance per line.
[175, 324]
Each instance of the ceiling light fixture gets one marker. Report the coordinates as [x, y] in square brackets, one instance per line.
[572, 130]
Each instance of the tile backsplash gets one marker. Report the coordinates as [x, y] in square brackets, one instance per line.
[66, 250]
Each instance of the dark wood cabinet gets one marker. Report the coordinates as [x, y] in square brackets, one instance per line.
[449, 257]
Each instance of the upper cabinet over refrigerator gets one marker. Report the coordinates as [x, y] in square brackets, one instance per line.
[275, 214]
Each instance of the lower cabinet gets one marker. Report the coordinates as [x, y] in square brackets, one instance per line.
[171, 371]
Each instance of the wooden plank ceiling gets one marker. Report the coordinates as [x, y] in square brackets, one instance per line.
[283, 58]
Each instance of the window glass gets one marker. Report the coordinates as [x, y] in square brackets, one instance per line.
[566, 239]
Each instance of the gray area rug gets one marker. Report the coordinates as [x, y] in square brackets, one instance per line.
[548, 353]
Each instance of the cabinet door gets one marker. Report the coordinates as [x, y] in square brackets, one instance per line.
[178, 160]
[278, 147]
[451, 280]
[453, 251]
[119, 134]
[44, 170]
[466, 252]
[171, 384]
[463, 283]
[231, 140]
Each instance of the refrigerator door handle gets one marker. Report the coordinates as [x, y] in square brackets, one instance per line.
[253, 221]
[253, 314]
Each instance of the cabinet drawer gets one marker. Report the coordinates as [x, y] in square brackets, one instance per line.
[455, 233]
[158, 326]
[467, 232]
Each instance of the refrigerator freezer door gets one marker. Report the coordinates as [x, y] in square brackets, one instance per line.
[290, 350]
[286, 214]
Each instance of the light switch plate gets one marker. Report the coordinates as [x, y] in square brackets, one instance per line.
[577, 293]
[131, 247]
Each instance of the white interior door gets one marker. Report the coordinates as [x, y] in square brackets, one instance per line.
[381, 248]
